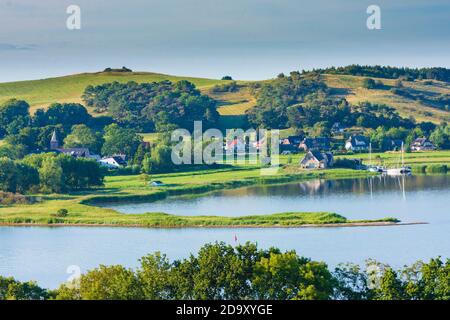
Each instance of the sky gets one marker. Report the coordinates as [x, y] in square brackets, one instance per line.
[247, 39]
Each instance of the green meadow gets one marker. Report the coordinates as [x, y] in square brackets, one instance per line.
[83, 206]
[41, 93]
[83, 210]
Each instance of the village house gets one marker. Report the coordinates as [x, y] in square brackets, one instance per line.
[292, 140]
[357, 143]
[235, 146]
[113, 162]
[74, 152]
[337, 128]
[393, 145]
[422, 144]
[290, 144]
[319, 144]
[317, 160]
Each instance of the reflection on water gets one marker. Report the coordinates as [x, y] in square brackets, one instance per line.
[43, 254]
[374, 197]
[320, 187]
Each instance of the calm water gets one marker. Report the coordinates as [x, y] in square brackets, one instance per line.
[44, 254]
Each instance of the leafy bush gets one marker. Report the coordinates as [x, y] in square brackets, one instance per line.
[9, 198]
[227, 87]
[62, 213]
[437, 168]
[11, 289]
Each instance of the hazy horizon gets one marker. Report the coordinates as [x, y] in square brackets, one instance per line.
[247, 39]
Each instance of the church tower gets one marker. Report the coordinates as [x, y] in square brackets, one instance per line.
[54, 143]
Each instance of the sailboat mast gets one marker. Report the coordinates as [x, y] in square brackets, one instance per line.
[403, 156]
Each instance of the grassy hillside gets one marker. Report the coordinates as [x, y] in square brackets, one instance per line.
[351, 88]
[41, 93]
[232, 105]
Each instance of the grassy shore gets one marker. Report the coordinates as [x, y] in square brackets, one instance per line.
[83, 209]
[163, 220]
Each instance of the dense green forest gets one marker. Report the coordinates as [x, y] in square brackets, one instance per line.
[441, 74]
[305, 101]
[244, 272]
[49, 173]
[153, 106]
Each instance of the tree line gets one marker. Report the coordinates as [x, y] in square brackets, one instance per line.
[305, 101]
[244, 272]
[153, 106]
[49, 173]
[441, 74]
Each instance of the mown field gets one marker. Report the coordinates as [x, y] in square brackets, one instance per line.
[413, 158]
[387, 158]
[234, 103]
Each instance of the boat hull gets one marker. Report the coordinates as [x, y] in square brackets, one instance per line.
[398, 171]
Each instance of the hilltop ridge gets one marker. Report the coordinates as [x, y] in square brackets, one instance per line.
[416, 98]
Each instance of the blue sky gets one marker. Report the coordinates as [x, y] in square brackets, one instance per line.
[248, 39]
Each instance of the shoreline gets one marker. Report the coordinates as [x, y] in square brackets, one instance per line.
[88, 210]
[276, 226]
[200, 190]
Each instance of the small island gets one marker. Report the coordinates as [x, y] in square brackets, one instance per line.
[164, 220]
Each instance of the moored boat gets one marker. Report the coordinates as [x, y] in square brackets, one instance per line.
[401, 170]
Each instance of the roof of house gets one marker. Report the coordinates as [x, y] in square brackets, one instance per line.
[396, 142]
[319, 156]
[315, 142]
[421, 141]
[337, 127]
[75, 152]
[119, 160]
[295, 139]
[54, 137]
[358, 140]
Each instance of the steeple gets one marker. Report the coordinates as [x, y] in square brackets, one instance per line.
[54, 143]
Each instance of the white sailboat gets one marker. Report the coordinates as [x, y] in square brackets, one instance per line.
[401, 170]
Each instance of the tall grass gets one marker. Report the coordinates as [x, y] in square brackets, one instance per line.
[163, 220]
[430, 168]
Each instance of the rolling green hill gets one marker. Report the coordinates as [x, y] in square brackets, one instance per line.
[41, 93]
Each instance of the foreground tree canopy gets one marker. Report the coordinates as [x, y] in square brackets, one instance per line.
[220, 271]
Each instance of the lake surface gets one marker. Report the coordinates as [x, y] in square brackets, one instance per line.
[44, 254]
